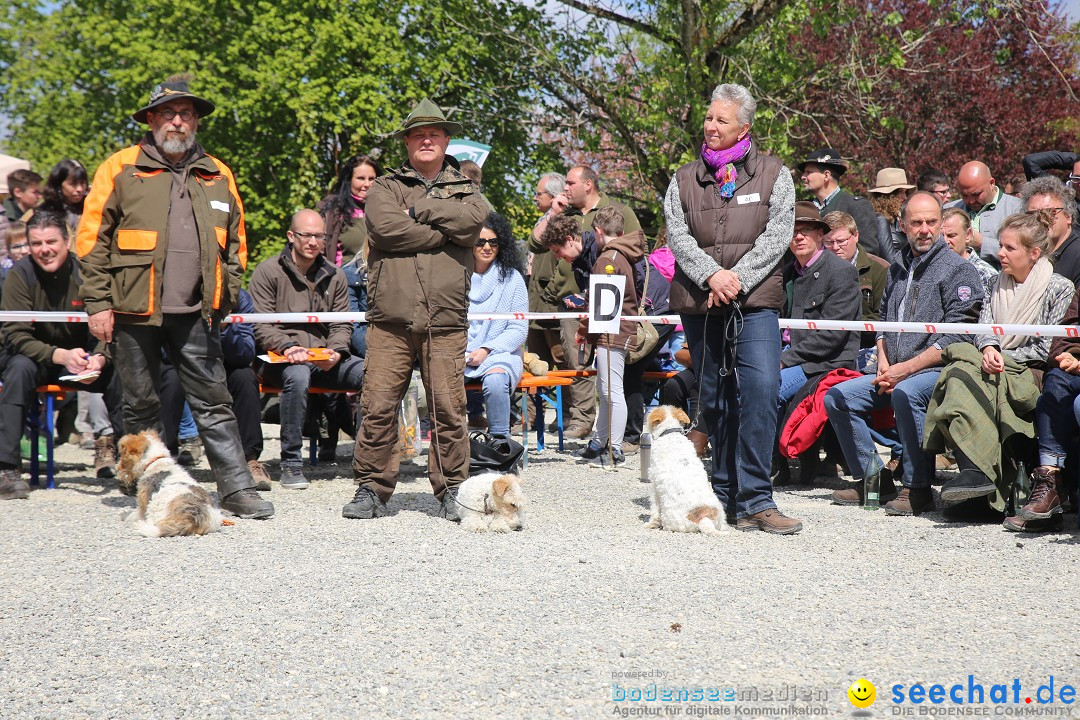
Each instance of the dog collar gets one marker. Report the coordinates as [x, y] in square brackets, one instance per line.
[670, 431]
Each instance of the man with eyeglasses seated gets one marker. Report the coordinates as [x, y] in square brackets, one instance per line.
[1038, 164]
[163, 248]
[1049, 194]
[301, 280]
[843, 240]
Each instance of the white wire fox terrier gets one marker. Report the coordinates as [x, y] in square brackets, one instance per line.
[169, 502]
[491, 502]
[682, 497]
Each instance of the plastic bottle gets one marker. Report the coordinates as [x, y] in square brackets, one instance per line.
[645, 453]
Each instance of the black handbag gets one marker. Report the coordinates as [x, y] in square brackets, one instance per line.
[493, 454]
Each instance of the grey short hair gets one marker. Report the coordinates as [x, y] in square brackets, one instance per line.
[554, 183]
[1049, 185]
[730, 92]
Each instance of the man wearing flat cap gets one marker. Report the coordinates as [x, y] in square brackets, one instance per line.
[821, 173]
[162, 250]
[423, 220]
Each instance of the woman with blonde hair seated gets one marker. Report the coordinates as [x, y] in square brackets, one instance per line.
[998, 384]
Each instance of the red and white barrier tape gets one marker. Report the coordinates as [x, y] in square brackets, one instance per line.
[819, 325]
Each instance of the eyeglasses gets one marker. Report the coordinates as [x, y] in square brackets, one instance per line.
[1073, 181]
[1052, 210]
[20, 246]
[169, 114]
[309, 236]
[490, 242]
[945, 192]
[837, 243]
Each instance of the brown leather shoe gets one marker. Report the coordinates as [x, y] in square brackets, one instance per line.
[259, 475]
[12, 486]
[854, 495]
[700, 441]
[577, 432]
[1045, 498]
[911, 501]
[1019, 524]
[770, 521]
[105, 457]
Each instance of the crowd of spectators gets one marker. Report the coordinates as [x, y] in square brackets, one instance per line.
[737, 251]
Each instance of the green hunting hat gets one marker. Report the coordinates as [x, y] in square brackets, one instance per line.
[427, 114]
[174, 88]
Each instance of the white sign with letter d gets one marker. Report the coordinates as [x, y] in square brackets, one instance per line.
[605, 303]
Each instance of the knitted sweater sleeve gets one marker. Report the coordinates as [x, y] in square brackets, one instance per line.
[692, 260]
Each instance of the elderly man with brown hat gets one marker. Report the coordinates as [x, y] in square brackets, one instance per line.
[162, 249]
[890, 190]
[821, 172]
[423, 220]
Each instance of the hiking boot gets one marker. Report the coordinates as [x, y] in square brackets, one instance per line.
[292, 476]
[854, 495]
[1045, 498]
[630, 448]
[448, 506]
[105, 457]
[577, 432]
[617, 459]
[967, 485]
[365, 505]
[1019, 524]
[12, 486]
[190, 451]
[590, 451]
[247, 504]
[259, 475]
[771, 521]
[85, 441]
[911, 501]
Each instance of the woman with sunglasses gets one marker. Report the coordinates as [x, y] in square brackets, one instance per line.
[493, 351]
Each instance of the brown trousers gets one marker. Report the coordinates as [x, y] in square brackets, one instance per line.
[392, 349]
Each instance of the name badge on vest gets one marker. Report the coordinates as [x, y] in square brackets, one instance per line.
[743, 199]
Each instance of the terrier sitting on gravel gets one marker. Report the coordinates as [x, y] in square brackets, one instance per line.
[491, 502]
[682, 498]
[169, 501]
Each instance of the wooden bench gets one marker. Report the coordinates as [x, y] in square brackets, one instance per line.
[531, 385]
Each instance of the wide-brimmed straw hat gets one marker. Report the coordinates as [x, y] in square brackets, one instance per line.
[890, 180]
[175, 88]
[427, 114]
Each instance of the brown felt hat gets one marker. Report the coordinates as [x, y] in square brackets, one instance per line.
[807, 212]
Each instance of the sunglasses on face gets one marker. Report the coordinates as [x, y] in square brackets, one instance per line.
[489, 242]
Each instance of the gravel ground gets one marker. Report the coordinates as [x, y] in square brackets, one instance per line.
[312, 615]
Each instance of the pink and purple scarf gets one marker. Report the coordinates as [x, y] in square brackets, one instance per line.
[722, 164]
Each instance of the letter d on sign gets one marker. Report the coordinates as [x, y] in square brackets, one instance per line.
[605, 303]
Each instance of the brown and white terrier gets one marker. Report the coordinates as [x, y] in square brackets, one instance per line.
[169, 501]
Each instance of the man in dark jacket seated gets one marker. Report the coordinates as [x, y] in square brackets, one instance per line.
[301, 280]
[41, 353]
[818, 285]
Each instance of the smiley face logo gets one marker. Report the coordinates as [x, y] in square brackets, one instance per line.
[862, 693]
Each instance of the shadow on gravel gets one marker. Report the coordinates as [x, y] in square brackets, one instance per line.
[118, 502]
[641, 502]
[414, 501]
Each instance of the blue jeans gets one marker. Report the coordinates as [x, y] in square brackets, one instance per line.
[791, 381]
[187, 425]
[734, 412]
[1056, 416]
[497, 400]
[847, 405]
